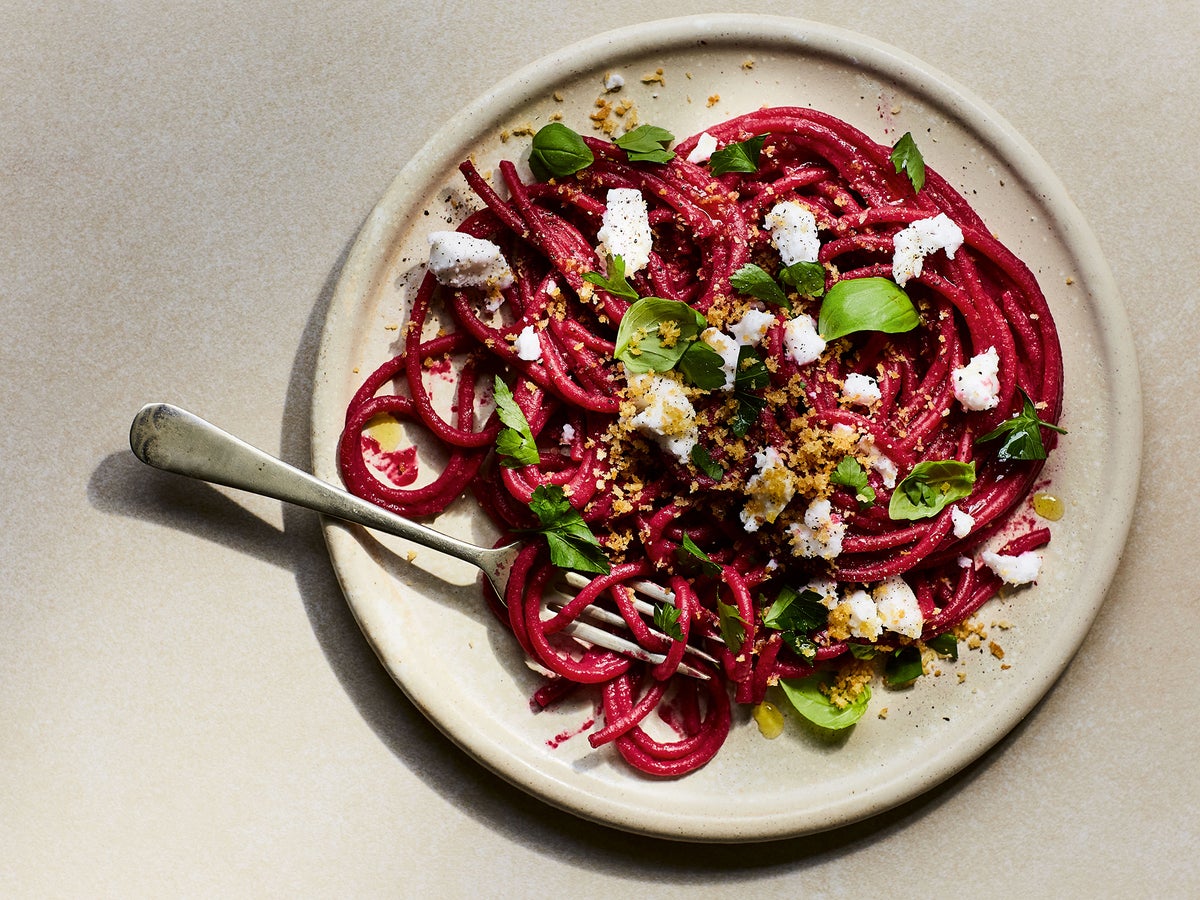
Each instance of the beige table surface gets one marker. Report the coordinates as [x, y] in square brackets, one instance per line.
[186, 705]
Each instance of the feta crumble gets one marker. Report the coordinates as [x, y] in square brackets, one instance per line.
[882, 464]
[921, 239]
[898, 608]
[864, 619]
[663, 413]
[963, 522]
[752, 327]
[827, 589]
[460, 260]
[728, 349]
[820, 535]
[568, 434]
[861, 390]
[977, 384]
[527, 345]
[625, 228]
[770, 489]
[793, 230]
[614, 81]
[1020, 569]
[706, 145]
[801, 341]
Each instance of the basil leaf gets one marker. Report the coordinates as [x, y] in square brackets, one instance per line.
[666, 620]
[740, 157]
[805, 696]
[905, 156]
[752, 374]
[557, 151]
[866, 304]
[808, 278]
[944, 645]
[1022, 434]
[690, 550]
[794, 610]
[514, 443]
[801, 644]
[572, 544]
[647, 143]
[756, 282]
[903, 667]
[702, 366]
[640, 334]
[862, 651]
[930, 487]
[615, 282]
[850, 473]
[733, 627]
[703, 461]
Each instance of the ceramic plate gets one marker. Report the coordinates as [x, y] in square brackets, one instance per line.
[424, 617]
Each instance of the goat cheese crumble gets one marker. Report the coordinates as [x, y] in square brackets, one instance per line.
[820, 535]
[1021, 569]
[977, 384]
[460, 260]
[528, 345]
[625, 228]
[752, 327]
[793, 230]
[706, 145]
[801, 341]
[861, 390]
[770, 489]
[921, 239]
[728, 349]
[663, 413]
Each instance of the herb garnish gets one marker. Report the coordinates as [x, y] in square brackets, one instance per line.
[808, 278]
[557, 151]
[614, 282]
[905, 156]
[866, 304]
[641, 342]
[647, 143]
[733, 626]
[757, 282]
[903, 667]
[703, 461]
[739, 157]
[1022, 434]
[751, 375]
[850, 473]
[690, 551]
[666, 620]
[572, 544]
[514, 444]
[810, 701]
[796, 613]
[930, 487]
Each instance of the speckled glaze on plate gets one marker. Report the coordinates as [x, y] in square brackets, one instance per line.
[424, 617]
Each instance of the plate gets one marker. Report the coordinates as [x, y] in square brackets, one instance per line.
[424, 617]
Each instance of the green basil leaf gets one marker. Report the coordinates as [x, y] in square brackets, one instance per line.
[557, 151]
[801, 644]
[930, 487]
[944, 645]
[903, 667]
[639, 336]
[703, 461]
[666, 620]
[1022, 434]
[701, 365]
[733, 626]
[647, 143]
[752, 374]
[793, 610]
[850, 473]
[866, 304]
[514, 443]
[907, 158]
[740, 157]
[862, 651]
[757, 282]
[615, 282]
[690, 551]
[572, 544]
[808, 278]
[805, 696]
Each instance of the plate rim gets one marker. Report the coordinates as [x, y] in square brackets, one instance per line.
[369, 252]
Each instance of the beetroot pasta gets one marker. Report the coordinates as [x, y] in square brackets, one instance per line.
[778, 369]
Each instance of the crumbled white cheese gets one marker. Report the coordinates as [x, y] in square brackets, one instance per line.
[663, 413]
[898, 607]
[793, 230]
[876, 460]
[614, 81]
[965, 562]
[568, 434]
[460, 260]
[820, 535]
[861, 390]
[1020, 569]
[769, 489]
[921, 239]
[864, 616]
[963, 522]
[728, 349]
[827, 589]
[801, 341]
[752, 327]
[977, 384]
[706, 144]
[527, 345]
[625, 228]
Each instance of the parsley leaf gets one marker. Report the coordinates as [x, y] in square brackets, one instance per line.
[905, 156]
[702, 366]
[752, 375]
[810, 701]
[733, 626]
[689, 549]
[647, 143]
[740, 157]
[796, 611]
[747, 412]
[557, 151]
[572, 544]
[1022, 434]
[850, 473]
[930, 487]
[757, 282]
[903, 667]
[808, 278]
[703, 461]
[615, 282]
[515, 442]
[666, 620]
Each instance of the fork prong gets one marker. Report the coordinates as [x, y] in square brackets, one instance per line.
[610, 641]
[608, 617]
[654, 591]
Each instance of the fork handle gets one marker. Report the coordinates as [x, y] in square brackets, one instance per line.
[175, 440]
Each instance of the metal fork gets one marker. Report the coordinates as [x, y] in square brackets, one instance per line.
[178, 441]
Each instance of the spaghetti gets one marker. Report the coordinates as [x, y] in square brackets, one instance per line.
[784, 477]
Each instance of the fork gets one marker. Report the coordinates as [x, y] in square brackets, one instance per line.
[178, 441]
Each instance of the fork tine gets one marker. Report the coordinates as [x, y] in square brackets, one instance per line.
[610, 641]
[607, 617]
